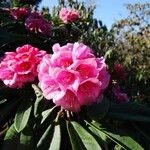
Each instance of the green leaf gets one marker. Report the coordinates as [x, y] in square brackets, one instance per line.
[11, 133]
[18, 141]
[11, 139]
[99, 134]
[125, 111]
[46, 114]
[26, 139]
[22, 115]
[76, 142]
[87, 139]
[39, 103]
[56, 140]
[130, 108]
[143, 129]
[118, 136]
[128, 116]
[47, 117]
[128, 111]
[98, 111]
[46, 138]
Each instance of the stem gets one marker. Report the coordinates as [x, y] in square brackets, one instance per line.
[6, 128]
[68, 114]
[58, 115]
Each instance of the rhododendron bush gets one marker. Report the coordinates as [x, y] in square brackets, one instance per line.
[59, 89]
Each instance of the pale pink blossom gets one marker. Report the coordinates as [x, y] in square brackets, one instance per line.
[68, 15]
[20, 67]
[73, 76]
[37, 24]
[19, 13]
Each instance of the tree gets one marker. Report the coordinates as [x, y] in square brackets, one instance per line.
[132, 42]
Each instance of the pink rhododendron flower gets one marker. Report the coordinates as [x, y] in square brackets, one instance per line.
[19, 13]
[120, 96]
[73, 76]
[67, 15]
[119, 71]
[20, 67]
[37, 24]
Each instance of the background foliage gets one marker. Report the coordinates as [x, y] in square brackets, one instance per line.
[28, 121]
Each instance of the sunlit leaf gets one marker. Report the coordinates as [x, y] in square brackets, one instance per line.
[39, 103]
[87, 139]
[46, 138]
[11, 139]
[22, 115]
[76, 141]
[119, 136]
[26, 139]
[56, 140]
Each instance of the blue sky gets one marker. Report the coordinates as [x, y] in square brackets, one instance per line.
[106, 10]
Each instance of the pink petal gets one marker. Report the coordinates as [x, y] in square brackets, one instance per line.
[62, 59]
[67, 79]
[69, 101]
[56, 48]
[88, 92]
[81, 51]
[49, 87]
[87, 71]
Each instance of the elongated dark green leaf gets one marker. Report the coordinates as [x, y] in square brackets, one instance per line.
[26, 139]
[18, 141]
[11, 133]
[102, 135]
[99, 133]
[126, 111]
[119, 136]
[143, 129]
[39, 103]
[130, 108]
[98, 111]
[11, 139]
[56, 140]
[46, 138]
[46, 114]
[87, 139]
[22, 115]
[128, 116]
[76, 142]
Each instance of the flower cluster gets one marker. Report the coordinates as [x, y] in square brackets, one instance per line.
[68, 16]
[37, 24]
[20, 67]
[73, 76]
[19, 13]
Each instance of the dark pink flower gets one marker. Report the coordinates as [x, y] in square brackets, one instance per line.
[20, 67]
[19, 13]
[120, 96]
[37, 24]
[67, 15]
[73, 76]
[119, 71]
